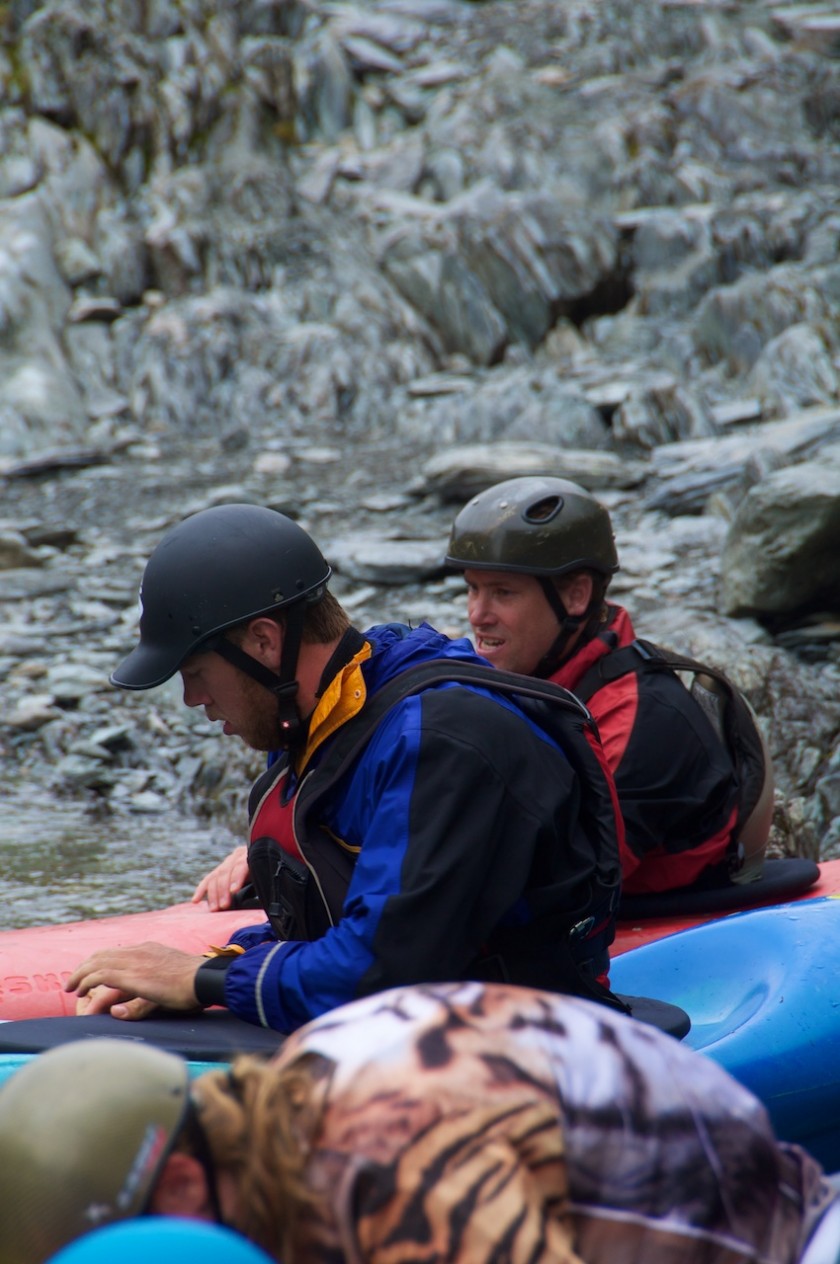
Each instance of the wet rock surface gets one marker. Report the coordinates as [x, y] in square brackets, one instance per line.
[358, 262]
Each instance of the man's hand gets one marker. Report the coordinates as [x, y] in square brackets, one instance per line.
[105, 1000]
[130, 982]
[219, 885]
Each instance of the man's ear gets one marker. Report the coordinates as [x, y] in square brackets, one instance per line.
[263, 640]
[576, 591]
[181, 1189]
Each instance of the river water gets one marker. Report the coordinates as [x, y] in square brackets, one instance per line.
[62, 861]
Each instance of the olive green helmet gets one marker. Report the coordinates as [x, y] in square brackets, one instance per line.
[84, 1131]
[535, 525]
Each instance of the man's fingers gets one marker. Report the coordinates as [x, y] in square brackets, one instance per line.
[98, 1001]
[228, 876]
[219, 894]
[133, 1010]
[151, 972]
[201, 890]
[90, 974]
[107, 1000]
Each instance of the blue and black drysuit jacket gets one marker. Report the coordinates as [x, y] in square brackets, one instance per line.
[470, 846]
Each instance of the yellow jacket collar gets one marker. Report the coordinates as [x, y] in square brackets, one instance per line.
[343, 698]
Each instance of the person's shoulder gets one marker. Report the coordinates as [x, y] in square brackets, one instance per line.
[397, 647]
[448, 701]
[382, 635]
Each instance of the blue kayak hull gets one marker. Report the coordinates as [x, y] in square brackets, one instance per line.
[762, 989]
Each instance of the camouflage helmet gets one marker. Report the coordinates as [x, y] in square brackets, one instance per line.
[534, 525]
[217, 568]
[84, 1131]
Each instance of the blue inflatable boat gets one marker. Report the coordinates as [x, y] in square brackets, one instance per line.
[762, 989]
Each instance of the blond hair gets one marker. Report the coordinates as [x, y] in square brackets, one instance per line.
[258, 1121]
[325, 621]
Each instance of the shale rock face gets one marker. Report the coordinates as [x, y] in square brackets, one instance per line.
[360, 260]
[781, 554]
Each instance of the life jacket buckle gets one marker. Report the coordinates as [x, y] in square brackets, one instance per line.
[582, 929]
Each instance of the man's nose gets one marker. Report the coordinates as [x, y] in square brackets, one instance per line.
[193, 696]
[478, 608]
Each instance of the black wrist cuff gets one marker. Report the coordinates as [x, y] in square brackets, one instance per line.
[209, 981]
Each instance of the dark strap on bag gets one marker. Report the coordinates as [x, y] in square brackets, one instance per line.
[644, 655]
[354, 735]
[741, 736]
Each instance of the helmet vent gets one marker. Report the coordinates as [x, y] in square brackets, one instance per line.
[543, 510]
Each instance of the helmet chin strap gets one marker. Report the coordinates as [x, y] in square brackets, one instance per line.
[204, 1154]
[283, 684]
[191, 1138]
[569, 624]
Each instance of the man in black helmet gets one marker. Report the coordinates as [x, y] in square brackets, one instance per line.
[538, 554]
[416, 829]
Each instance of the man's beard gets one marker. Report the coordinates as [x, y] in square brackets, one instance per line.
[261, 729]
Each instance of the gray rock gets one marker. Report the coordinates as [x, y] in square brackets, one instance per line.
[382, 561]
[735, 323]
[795, 370]
[70, 682]
[31, 713]
[523, 405]
[461, 472]
[325, 89]
[674, 260]
[15, 552]
[660, 413]
[438, 283]
[782, 551]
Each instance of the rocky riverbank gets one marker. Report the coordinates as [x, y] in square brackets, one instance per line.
[358, 261]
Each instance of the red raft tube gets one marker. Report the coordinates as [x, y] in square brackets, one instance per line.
[35, 963]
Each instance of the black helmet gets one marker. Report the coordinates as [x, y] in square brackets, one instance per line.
[536, 525]
[85, 1129]
[217, 568]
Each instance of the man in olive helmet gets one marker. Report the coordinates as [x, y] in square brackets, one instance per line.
[538, 554]
[415, 829]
